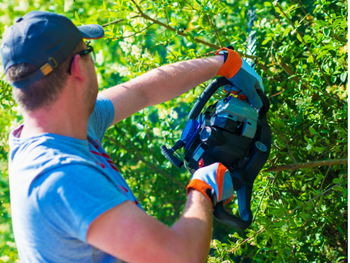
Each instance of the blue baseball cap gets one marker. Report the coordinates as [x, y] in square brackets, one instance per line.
[43, 39]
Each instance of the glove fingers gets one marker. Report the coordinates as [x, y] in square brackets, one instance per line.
[214, 177]
[224, 183]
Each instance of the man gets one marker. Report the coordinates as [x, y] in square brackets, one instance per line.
[69, 201]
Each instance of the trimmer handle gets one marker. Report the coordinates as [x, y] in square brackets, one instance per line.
[243, 195]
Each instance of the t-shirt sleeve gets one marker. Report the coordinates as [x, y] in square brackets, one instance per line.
[102, 116]
[75, 195]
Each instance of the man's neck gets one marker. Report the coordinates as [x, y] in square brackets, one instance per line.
[60, 118]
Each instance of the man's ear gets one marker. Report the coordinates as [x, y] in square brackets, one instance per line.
[76, 69]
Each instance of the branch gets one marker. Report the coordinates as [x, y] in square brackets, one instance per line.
[339, 38]
[196, 39]
[150, 165]
[305, 165]
[301, 37]
[216, 33]
[142, 14]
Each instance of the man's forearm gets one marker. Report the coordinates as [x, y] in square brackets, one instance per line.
[161, 84]
[170, 81]
[195, 225]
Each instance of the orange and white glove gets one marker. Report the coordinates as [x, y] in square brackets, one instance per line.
[213, 181]
[242, 76]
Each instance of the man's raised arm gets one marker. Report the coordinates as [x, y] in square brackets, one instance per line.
[128, 233]
[160, 85]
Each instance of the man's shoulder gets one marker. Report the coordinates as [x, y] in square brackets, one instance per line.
[46, 154]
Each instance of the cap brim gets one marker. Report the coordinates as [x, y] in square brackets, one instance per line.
[91, 31]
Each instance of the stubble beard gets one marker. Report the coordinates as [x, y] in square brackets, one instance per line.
[91, 92]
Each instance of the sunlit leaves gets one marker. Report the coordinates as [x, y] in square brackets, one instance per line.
[308, 116]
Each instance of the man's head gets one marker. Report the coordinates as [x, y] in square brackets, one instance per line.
[37, 52]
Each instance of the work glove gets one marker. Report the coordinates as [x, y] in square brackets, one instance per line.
[242, 76]
[214, 182]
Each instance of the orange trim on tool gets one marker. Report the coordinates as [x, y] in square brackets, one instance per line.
[242, 97]
[200, 186]
[232, 64]
[228, 200]
[220, 174]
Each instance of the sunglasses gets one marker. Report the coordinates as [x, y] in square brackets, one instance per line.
[89, 50]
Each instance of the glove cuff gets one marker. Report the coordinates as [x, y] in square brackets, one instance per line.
[232, 64]
[202, 187]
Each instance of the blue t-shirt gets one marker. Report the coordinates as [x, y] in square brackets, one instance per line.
[58, 186]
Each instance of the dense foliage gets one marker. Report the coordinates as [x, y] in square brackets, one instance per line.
[300, 198]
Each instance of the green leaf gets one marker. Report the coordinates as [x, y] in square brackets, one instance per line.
[267, 4]
[299, 38]
[338, 188]
[313, 131]
[337, 180]
[310, 59]
[265, 41]
[333, 78]
[76, 16]
[320, 22]
[340, 230]
[317, 181]
[326, 31]
[319, 149]
[343, 76]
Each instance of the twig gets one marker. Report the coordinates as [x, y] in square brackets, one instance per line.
[257, 209]
[216, 33]
[283, 90]
[166, 15]
[302, 8]
[324, 178]
[140, 157]
[262, 229]
[118, 21]
[119, 38]
[301, 37]
[228, 41]
[190, 5]
[275, 178]
[306, 165]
